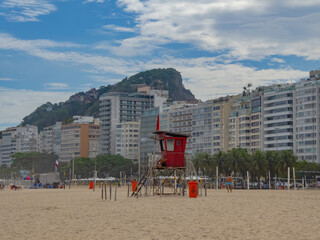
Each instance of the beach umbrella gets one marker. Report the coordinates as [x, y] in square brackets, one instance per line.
[28, 178]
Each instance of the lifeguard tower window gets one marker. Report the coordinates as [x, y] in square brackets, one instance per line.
[170, 144]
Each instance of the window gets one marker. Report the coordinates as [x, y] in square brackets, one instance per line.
[170, 144]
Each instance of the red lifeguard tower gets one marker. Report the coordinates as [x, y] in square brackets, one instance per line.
[169, 171]
[172, 147]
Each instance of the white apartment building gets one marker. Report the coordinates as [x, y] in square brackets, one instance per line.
[117, 108]
[50, 139]
[277, 112]
[306, 120]
[46, 138]
[18, 139]
[128, 140]
[245, 128]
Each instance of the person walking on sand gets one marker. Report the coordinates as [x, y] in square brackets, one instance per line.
[229, 183]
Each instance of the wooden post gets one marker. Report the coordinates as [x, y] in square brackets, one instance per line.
[275, 182]
[294, 178]
[69, 178]
[175, 181]
[288, 178]
[115, 192]
[302, 180]
[128, 190]
[205, 189]
[105, 191]
[217, 178]
[102, 192]
[162, 187]
[248, 183]
[305, 182]
[269, 180]
[110, 190]
[183, 189]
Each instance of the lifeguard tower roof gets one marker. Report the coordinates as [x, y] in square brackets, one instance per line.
[170, 134]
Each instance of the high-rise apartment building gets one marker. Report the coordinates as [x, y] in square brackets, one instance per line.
[277, 114]
[117, 108]
[245, 129]
[148, 145]
[128, 140]
[221, 110]
[46, 137]
[306, 118]
[8, 146]
[79, 140]
[18, 139]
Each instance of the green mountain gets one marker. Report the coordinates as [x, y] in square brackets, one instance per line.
[87, 103]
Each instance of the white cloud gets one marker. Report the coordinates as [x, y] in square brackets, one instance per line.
[16, 104]
[277, 60]
[90, 1]
[208, 79]
[104, 79]
[57, 86]
[245, 29]
[118, 28]
[8, 42]
[205, 76]
[25, 10]
[5, 79]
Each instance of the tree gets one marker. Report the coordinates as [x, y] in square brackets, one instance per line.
[219, 159]
[237, 160]
[286, 159]
[35, 162]
[272, 158]
[197, 162]
[112, 165]
[258, 165]
[207, 163]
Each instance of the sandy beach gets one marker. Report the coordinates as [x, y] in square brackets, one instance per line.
[80, 213]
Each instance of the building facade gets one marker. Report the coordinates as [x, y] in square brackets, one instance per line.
[117, 108]
[128, 140]
[306, 118]
[79, 140]
[277, 114]
[18, 139]
[148, 145]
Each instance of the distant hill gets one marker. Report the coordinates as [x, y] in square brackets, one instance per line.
[87, 103]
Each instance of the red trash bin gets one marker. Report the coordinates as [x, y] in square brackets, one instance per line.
[133, 185]
[91, 185]
[193, 189]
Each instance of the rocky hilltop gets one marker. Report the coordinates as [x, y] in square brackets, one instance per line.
[87, 103]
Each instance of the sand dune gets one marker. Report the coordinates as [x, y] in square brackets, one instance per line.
[80, 213]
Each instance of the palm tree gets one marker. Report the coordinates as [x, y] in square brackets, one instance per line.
[258, 165]
[219, 159]
[272, 157]
[286, 159]
[197, 162]
[237, 160]
[207, 163]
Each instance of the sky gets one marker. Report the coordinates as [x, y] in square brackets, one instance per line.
[51, 49]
